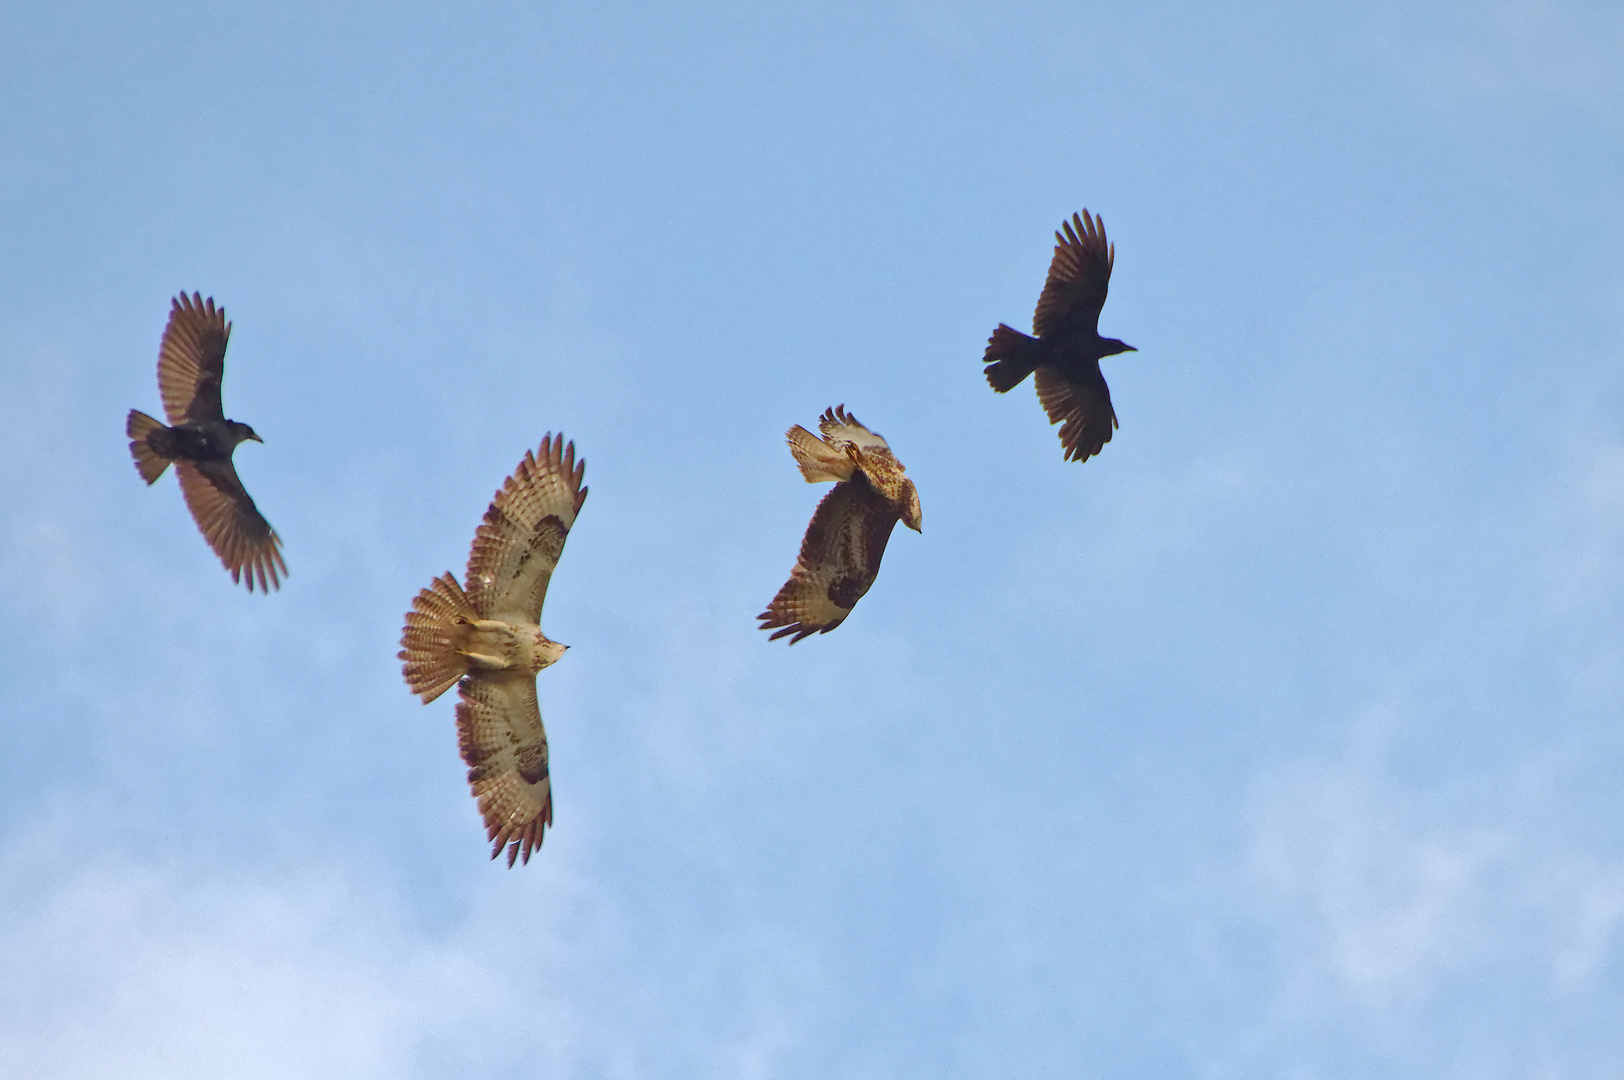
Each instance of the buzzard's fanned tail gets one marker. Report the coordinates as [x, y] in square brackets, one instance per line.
[1010, 357]
[148, 462]
[818, 460]
[433, 638]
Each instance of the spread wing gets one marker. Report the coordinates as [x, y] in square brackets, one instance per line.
[840, 556]
[192, 359]
[1079, 276]
[1083, 410]
[518, 544]
[842, 429]
[505, 748]
[230, 522]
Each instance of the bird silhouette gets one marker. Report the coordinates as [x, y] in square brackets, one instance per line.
[1064, 356]
[191, 361]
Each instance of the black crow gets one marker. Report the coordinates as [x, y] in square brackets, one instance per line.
[1066, 352]
[191, 361]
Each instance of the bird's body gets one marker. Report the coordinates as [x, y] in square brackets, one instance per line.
[487, 641]
[1065, 353]
[200, 442]
[841, 552]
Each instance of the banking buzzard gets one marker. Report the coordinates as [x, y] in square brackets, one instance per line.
[840, 554]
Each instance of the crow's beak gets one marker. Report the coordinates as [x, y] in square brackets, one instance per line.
[256, 438]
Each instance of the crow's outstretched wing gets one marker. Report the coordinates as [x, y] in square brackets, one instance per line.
[192, 359]
[1081, 408]
[230, 522]
[1079, 276]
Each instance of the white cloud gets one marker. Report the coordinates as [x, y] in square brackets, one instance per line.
[1383, 894]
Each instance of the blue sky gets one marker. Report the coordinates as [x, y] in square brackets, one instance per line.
[1280, 740]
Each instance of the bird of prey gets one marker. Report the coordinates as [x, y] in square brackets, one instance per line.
[191, 361]
[840, 554]
[487, 639]
[1066, 352]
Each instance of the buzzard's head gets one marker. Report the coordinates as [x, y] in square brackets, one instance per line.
[547, 652]
[910, 506]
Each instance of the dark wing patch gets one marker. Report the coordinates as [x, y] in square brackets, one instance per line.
[1082, 409]
[1079, 276]
[505, 748]
[230, 522]
[840, 557]
[192, 359]
[518, 544]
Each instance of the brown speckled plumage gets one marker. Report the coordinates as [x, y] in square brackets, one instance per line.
[488, 641]
[843, 545]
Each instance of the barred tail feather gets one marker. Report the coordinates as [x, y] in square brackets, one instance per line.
[148, 462]
[818, 460]
[434, 635]
[1010, 357]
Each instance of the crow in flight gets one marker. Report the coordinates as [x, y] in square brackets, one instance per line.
[191, 361]
[1065, 354]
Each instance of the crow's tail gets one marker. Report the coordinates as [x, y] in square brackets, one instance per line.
[1010, 357]
[148, 462]
[434, 636]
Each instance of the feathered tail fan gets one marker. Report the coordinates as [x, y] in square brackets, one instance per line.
[148, 462]
[1010, 357]
[818, 460]
[434, 635]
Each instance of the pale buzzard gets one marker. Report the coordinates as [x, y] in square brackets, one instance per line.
[840, 554]
[191, 361]
[489, 642]
[1067, 350]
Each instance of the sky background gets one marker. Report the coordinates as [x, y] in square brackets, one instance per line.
[1280, 740]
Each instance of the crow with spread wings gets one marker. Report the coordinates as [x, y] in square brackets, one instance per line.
[487, 640]
[191, 362]
[840, 554]
[1065, 355]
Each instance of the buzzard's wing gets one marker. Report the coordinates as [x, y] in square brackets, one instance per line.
[192, 359]
[869, 450]
[505, 748]
[842, 429]
[840, 557]
[231, 523]
[523, 533]
[1079, 276]
[1083, 409]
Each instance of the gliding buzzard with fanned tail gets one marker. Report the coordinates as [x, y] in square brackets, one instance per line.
[487, 640]
[840, 554]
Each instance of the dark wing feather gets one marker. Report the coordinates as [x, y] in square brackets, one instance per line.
[518, 544]
[1082, 408]
[230, 522]
[192, 359]
[505, 748]
[840, 557]
[1079, 276]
